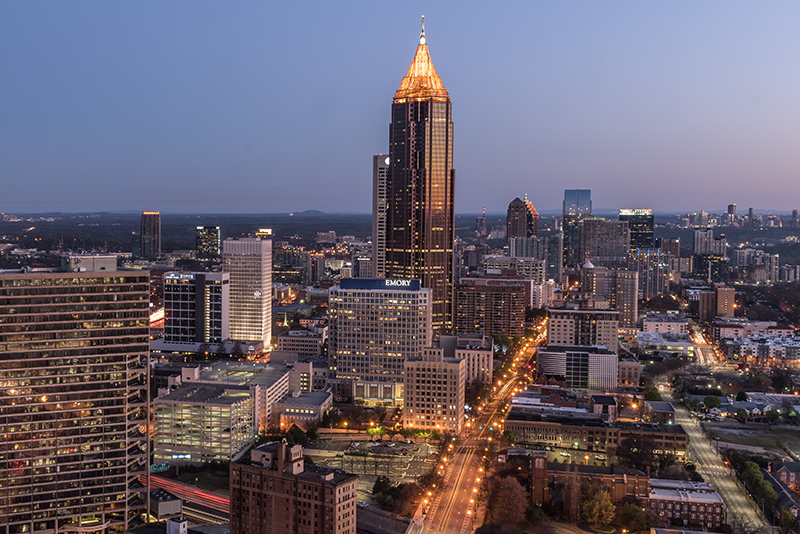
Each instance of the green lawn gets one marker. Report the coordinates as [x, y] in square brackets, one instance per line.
[762, 437]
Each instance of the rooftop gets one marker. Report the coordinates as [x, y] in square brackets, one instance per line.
[421, 81]
[663, 337]
[682, 495]
[196, 393]
[308, 398]
[661, 406]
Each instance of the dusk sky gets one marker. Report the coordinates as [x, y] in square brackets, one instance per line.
[265, 107]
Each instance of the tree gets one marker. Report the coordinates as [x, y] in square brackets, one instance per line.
[712, 401]
[204, 350]
[571, 499]
[741, 415]
[633, 517]
[313, 434]
[295, 435]
[741, 396]
[509, 436]
[599, 509]
[637, 452]
[674, 472]
[759, 382]
[651, 393]
[510, 501]
[237, 349]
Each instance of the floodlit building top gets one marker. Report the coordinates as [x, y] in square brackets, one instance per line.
[421, 81]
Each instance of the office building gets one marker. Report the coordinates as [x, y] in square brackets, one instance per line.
[434, 389]
[476, 350]
[204, 423]
[275, 492]
[653, 269]
[706, 243]
[604, 243]
[489, 307]
[619, 288]
[208, 243]
[577, 205]
[673, 342]
[584, 368]
[586, 327]
[248, 261]
[420, 217]
[196, 308]
[550, 249]
[669, 246]
[726, 301]
[306, 343]
[522, 219]
[73, 400]
[641, 225]
[150, 235]
[528, 268]
[380, 182]
[375, 326]
[544, 294]
[304, 409]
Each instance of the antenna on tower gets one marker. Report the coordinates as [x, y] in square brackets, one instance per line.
[422, 33]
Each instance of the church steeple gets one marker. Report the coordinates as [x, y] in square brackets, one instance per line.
[421, 81]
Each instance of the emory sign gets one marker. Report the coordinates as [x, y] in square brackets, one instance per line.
[398, 283]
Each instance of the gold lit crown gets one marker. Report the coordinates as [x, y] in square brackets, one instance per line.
[421, 81]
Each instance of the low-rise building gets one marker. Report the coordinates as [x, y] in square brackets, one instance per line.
[660, 412]
[666, 342]
[304, 409]
[605, 405]
[630, 371]
[584, 367]
[434, 389]
[763, 350]
[306, 343]
[675, 323]
[476, 349]
[203, 423]
[588, 431]
[275, 492]
[699, 507]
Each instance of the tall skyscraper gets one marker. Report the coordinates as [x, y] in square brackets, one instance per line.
[208, 242]
[196, 307]
[550, 249]
[577, 205]
[641, 225]
[420, 217]
[604, 243]
[380, 173]
[150, 232]
[522, 219]
[249, 262]
[73, 397]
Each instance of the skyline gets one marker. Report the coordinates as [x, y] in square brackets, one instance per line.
[175, 109]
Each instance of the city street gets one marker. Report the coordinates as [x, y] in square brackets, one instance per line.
[714, 471]
[452, 509]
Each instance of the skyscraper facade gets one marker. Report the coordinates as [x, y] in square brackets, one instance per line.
[150, 234]
[641, 225]
[421, 189]
[522, 219]
[248, 260]
[604, 243]
[577, 205]
[208, 242]
[380, 173]
[196, 307]
[73, 399]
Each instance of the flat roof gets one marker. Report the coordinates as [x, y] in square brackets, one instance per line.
[208, 394]
[308, 398]
[681, 495]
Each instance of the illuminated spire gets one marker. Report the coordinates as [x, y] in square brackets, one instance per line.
[421, 81]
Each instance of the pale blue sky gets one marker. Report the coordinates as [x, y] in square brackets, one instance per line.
[272, 107]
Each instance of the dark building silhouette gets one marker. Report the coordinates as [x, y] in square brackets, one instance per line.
[208, 242]
[421, 188]
[150, 234]
[641, 226]
[577, 205]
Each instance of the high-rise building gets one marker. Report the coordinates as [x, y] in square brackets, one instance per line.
[275, 492]
[420, 217]
[248, 261]
[604, 243]
[706, 243]
[438, 408]
[671, 246]
[375, 325]
[550, 249]
[585, 368]
[73, 398]
[732, 210]
[795, 221]
[577, 205]
[208, 243]
[653, 269]
[577, 202]
[620, 288]
[641, 225]
[522, 219]
[380, 174]
[490, 308]
[586, 327]
[150, 234]
[196, 307]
